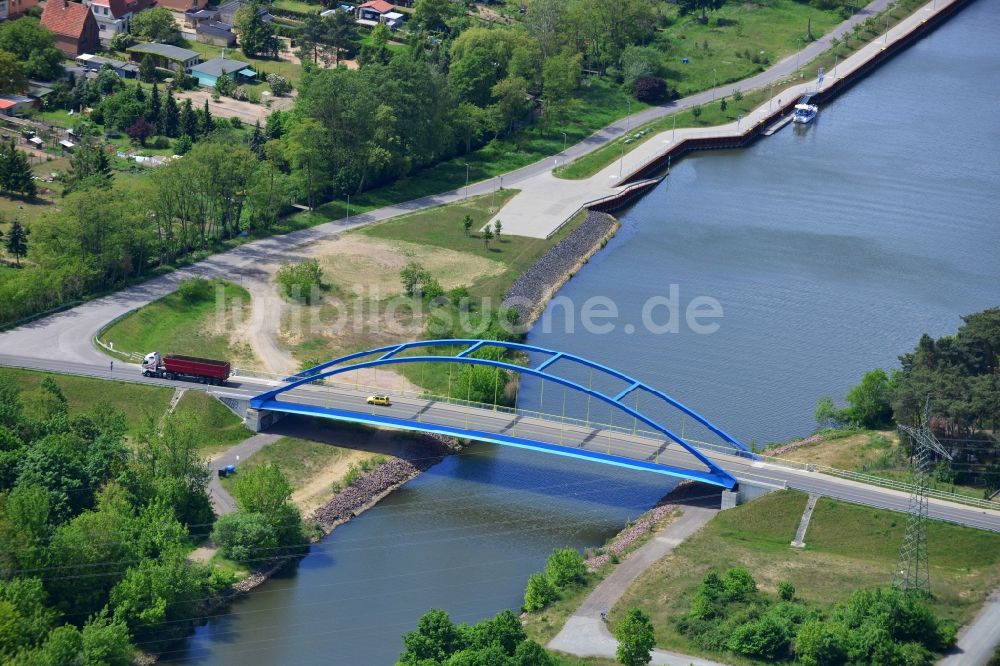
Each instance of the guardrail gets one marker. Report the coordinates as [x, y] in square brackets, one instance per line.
[590, 424]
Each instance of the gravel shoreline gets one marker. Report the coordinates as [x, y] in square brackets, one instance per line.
[531, 292]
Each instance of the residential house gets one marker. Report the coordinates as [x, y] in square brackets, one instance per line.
[182, 5]
[210, 71]
[73, 25]
[15, 105]
[227, 12]
[114, 16]
[379, 11]
[166, 56]
[93, 63]
[207, 27]
[12, 9]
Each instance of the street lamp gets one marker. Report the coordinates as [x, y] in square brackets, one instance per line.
[628, 116]
[621, 165]
[564, 141]
[715, 81]
[466, 180]
[673, 136]
[348, 208]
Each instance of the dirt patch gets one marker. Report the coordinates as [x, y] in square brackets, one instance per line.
[319, 489]
[202, 554]
[850, 452]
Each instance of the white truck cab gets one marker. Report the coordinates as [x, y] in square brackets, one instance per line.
[151, 364]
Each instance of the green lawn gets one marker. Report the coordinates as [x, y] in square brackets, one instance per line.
[297, 6]
[710, 115]
[173, 325]
[138, 402]
[847, 547]
[219, 427]
[735, 35]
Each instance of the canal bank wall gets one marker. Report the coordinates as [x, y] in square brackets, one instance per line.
[855, 72]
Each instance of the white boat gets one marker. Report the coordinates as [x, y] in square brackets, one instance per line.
[804, 113]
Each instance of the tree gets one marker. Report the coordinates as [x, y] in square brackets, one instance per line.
[169, 117]
[305, 149]
[560, 77]
[188, 121]
[377, 50]
[207, 124]
[155, 25]
[530, 653]
[434, 15]
[106, 642]
[17, 240]
[15, 171]
[764, 638]
[147, 68]
[635, 638]
[12, 76]
[467, 224]
[155, 107]
[257, 36]
[650, 89]
[704, 6]
[497, 228]
[88, 166]
[738, 584]
[140, 130]
[34, 46]
[870, 401]
[487, 236]
[818, 644]
[565, 567]
[435, 639]
[154, 593]
[539, 593]
[696, 112]
[412, 276]
[264, 490]
[786, 591]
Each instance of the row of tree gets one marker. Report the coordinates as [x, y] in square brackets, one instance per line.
[957, 375]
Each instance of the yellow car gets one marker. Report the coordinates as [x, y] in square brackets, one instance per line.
[379, 400]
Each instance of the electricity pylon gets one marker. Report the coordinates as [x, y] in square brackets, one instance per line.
[912, 572]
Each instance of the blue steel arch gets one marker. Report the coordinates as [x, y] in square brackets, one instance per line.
[388, 355]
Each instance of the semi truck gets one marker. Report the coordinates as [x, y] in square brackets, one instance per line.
[191, 368]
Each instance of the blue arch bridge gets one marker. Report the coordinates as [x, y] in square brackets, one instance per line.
[646, 443]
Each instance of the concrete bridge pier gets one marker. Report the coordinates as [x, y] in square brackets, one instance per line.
[260, 420]
[745, 491]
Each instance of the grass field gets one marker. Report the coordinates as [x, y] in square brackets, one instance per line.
[173, 325]
[442, 227]
[219, 427]
[138, 402]
[735, 35]
[299, 459]
[847, 547]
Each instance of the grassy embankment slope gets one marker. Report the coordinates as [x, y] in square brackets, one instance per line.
[725, 40]
[142, 404]
[871, 452]
[204, 327]
[847, 547]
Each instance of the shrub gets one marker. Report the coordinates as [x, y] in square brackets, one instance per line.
[194, 290]
[240, 94]
[301, 281]
[278, 84]
[182, 145]
[650, 89]
[786, 591]
[566, 567]
[245, 537]
[738, 584]
[539, 593]
[819, 644]
[763, 638]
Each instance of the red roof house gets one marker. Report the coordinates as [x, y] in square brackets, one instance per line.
[74, 27]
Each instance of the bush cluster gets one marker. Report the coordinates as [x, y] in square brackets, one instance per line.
[498, 641]
[302, 281]
[565, 569]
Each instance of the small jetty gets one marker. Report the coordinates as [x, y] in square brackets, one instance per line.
[777, 125]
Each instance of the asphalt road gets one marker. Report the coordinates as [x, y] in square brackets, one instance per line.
[419, 410]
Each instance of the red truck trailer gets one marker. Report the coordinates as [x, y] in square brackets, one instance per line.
[191, 368]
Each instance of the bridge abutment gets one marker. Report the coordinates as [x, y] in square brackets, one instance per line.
[260, 420]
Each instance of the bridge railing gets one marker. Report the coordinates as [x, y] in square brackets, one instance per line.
[634, 431]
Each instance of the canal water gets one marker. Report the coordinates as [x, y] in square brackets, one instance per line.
[830, 250]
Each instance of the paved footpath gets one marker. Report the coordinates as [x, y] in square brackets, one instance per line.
[978, 639]
[586, 634]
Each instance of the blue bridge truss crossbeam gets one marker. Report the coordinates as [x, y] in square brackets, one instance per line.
[390, 355]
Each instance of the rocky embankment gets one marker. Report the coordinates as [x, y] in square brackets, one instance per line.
[530, 292]
[425, 452]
